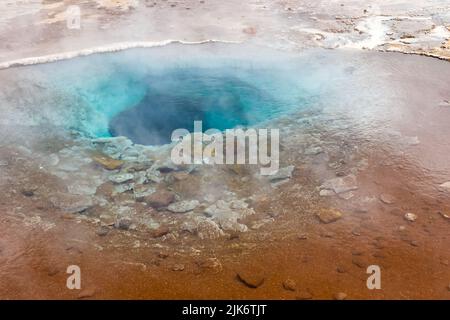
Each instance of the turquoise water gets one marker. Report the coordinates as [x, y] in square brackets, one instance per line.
[145, 94]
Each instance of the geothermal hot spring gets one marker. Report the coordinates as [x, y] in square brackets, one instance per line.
[145, 94]
[353, 126]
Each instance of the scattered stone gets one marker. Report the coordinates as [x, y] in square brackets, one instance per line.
[159, 232]
[304, 295]
[86, 293]
[340, 296]
[250, 278]
[282, 174]
[71, 203]
[414, 243]
[160, 199]
[326, 193]
[347, 195]
[387, 198]
[302, 236]
[359, 262]
[312, 151]
[356, 232]
[121, 178]
[341, 269]
[289, 285]
[341, 184]
[227, 214]
[444, 215]
[27, 193]
[123, 223]
[183, 206]
[108, 162]
[212, 264]
[102, 231]
[329, 215]
[410, 217]
[178, 267]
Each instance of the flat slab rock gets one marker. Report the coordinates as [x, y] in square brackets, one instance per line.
[341, 184]
[183, 206]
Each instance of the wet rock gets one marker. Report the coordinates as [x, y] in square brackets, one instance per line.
[112, 146]
[178, 267]
[102, 231]
[251, 278]
[282, 174]
[123, 223]
[387, 198]
[289, 285]
[142, 191]
[328, 215]
[227, 214]
[340, 296]
[122, 188]
[411, 217]
[183, 206]
[28, 192]
[204, 228]
[153, 175]
[302, 236]
[304, 295]
[414, 243]
[159, 232]
[108, 162]
[71, 203]
[341, 184]
[121, 178]
[86, 293]
[160, 199]
[312, 151]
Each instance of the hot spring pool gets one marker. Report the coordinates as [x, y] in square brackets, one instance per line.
[145, 94]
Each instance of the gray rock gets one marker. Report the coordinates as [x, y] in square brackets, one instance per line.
[71, 203]
[341, 184]
[204, 228]
[183, 206]
[123, 223]
[312, 151]
[282, 174]
[227, 214]
[121, 178]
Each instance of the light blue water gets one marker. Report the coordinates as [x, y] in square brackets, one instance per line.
[145, 94]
